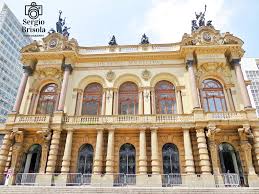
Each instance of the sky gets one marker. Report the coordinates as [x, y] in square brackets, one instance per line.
[93, 22]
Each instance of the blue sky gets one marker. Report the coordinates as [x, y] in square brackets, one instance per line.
[93, 22]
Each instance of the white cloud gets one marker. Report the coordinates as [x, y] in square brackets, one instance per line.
[168, 20]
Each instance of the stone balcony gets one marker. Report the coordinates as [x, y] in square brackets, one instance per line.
[165, 120]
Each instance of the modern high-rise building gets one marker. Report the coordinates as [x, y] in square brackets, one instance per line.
[12, 40]
[250, 68]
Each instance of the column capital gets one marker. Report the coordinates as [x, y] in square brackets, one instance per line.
[99, 129]
[67, 67]
[142, 129]
[70, 129]
[212, 130]
[154, 128]
[186, 128]
[111, 129]
[235, 61]
[189, 63]
[78, 90]
[28, 70]
[179, 88]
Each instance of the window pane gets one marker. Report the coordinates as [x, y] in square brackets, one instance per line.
[165, 98]
[212, 96]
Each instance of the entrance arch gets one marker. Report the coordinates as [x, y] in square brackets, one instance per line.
[230, 160]
[85, 159]
[33, 157]
[127, 159]
[170, 159]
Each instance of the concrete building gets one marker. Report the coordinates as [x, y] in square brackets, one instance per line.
[12, 40]
[250, 68]
[144, 115]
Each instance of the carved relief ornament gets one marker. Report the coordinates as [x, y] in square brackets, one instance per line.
[146, 75]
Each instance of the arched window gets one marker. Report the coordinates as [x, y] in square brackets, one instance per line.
[230, 161]
[212, 96]
[32, 162]
[165, 98]
[127, 159]
[92, 99]
[47, 99]
[128, 98]
[170, 159]
[85, 159]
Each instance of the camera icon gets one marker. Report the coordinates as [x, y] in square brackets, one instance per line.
[33, 10]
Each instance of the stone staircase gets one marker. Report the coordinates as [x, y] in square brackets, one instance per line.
[124, 190]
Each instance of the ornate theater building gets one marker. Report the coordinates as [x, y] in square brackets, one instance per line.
[144, 114]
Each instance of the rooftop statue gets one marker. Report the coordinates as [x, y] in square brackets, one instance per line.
[60, 26]
[144, 39]
[200, 19]
[112, 41]
[60, 23]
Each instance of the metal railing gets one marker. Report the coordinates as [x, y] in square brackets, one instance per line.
[231, 179]
[121, 179]
[86, 179]
[170, 180]
[26, 179]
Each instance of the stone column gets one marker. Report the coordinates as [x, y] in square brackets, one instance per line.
[140, 102]
[192, 79]
[246, 147]
[189, 163]
[256, 143]
[153, 101]
[146, 100]
[115, 101]
[67, 152]
[44, 156]
[67, 70]
[154, 151]
[53, 152]
[103, 103]
[20, 93]
[98, 159]
[33, 102]
[16, 149]
[110, 102]
[78, 102]
[212, 130]
[142, 151]
[179, 101]
[110, 152]
[45, 135]
[241, 82]
[7, 142]
[203, 151]
[230, 99]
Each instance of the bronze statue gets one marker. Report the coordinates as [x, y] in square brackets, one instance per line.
[112, 41]
[200, 19]
[60, 23]
[144, 39]
[65, 32]
[194, 25]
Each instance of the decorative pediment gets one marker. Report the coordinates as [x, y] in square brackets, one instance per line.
[214, 69]
[58, 42]
[33, 47]
[208, 35]
[48, 73]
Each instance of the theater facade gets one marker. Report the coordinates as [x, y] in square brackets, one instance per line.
[144, 114]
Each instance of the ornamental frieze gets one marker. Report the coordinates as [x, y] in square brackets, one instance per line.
[210, 69]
